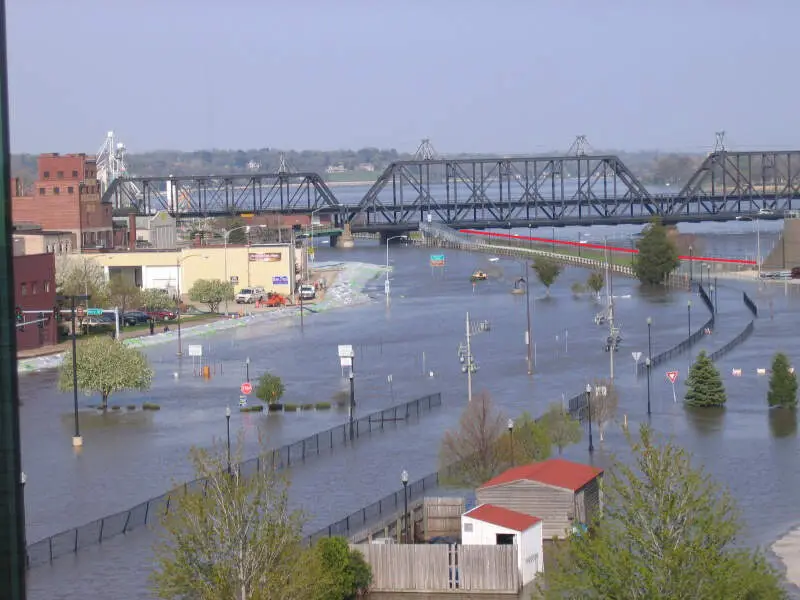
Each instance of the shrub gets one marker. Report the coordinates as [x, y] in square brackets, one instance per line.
[269, 388]
[253, 408]
[150, 406]
[322, 405]
[275, 407]
[290, 407]
[131, 407]
[306, 406]
[115, 407]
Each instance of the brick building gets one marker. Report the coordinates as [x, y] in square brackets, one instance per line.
[66, 198]
[35, 290]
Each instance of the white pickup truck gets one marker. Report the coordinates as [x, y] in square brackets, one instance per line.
[307, 292]
[250, 295]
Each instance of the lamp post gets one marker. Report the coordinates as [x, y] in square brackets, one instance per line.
[511, 439]
[714, 292]
[311, 242]
[649, 361]
[528, 335]
[689, 315]
[352, 407]
[77, 440]
[228, 427]
[648, 365]
[247, 369]
[386, 282]
[691, 260]
[404, 479]
[178, 262]
[589, 405]
[225, 235]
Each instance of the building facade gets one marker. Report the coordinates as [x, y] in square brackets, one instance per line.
[564, 494]
[66, 197]
[34, 240]
[34, 291]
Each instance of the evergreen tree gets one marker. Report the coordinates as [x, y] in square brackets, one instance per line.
[704, 385]
[657, 257]
[782, 383]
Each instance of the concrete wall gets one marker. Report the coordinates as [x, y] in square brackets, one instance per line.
[529, 543]
[44, 243]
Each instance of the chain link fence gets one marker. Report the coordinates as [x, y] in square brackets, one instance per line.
[96, 532]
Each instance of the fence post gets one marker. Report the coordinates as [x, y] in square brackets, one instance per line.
[127, 520]
[288, 455]
[166, 508]
[76, 539]
[102, 526]
[146, 511]
[304, 449]
[317, 444]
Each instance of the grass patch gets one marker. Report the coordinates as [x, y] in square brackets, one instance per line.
[150, 406]
[254, 408]
[322, 405]
[290, 407]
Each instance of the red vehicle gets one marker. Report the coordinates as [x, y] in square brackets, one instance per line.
[162, 315]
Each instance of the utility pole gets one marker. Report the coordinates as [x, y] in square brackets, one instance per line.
[612, 331]
[469, 364]
[12, 533]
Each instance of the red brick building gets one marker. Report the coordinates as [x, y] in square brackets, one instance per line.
[35, 290]
[66, 197]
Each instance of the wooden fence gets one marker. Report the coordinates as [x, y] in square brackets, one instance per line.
[442, 567]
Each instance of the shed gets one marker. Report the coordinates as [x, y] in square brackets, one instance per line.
[490, 525]
[562, 493]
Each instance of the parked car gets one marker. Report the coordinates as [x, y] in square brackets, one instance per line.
[251, 295]
[796, 273]
[135, 317]
[307, 292]
[162, 315]
[766, 211]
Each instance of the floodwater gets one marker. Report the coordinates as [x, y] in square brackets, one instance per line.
[128, 458]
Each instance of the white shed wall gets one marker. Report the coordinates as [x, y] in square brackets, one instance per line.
[530, 547]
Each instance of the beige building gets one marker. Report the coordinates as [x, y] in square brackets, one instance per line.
[275, 267]
[33, 240]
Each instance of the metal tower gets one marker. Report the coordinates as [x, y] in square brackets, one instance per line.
[425, 151]
[110, 161]
[719, 142]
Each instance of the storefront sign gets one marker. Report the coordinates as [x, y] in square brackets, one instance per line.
[280, 280]
[265, 257]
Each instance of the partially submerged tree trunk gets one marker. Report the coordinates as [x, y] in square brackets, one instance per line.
[104, 400]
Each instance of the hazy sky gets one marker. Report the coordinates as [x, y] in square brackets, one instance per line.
[493, 75]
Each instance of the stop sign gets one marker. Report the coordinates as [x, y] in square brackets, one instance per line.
[246, 388]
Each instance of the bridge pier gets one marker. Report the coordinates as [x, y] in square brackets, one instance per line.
[346, 240]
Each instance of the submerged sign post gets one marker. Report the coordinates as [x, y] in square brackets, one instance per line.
[636, 358]
[672, 376]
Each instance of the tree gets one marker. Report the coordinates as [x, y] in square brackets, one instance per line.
[122, 293]
[105, 366]
[528, 441]
[657, 255]
[269, 388]
[78, 275]
[156, 299]
[577, 289]
[471, 454]
[605, 401]
[562, 428]
[547, 270]
[235, 537]
[211, 292]
[782, 383]
[704, 386]
[347, 572]
[596, 282]
[667, 531]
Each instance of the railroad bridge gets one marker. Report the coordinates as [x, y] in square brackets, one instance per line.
[483, 192]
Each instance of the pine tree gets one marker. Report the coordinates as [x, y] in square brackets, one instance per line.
[704, 385]
[657, 255]
[782, 383]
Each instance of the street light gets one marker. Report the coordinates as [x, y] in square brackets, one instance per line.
[77, 440]
[352, 407]
[404, 479]
[23, 479]
[589, 405]
[691, 260]
[228, 424]
[386, 283]
[649, 361]
[648, 365]
[247, 369]
[178, 262]
[225, 235]
[689, 313]
[511, 438]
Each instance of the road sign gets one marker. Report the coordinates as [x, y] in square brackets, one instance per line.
[246, 388]
[94, 312]
[79, 312]
[195, 350]
[242, 401]
[672, 376]
[636, 356]
[234, 279]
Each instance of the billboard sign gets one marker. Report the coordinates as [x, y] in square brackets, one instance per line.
[265, 257]
[280, 280]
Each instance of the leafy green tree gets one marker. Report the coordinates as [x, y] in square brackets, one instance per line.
[346, 571]
[596, 282]
[471, 454]
[234, 538]
[106, 366]
[657, 257]
[704, 386]
[155, 299]
[78, 275]
[782, 383]
[563, 429]
[528, 441]
[667, 532]
[577, 289]
[605, 400]
[123, 293]
[269, 388]
[547, 270]
[211, 292]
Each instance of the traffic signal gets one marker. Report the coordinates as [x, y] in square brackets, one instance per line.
[20, 317]
[57, 313]
[41, 320]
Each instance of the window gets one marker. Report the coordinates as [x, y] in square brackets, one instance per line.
[86, 174]
[75, 174]
[46, 287]
[504, 539]
[60, 174]
[23, 289]
[46, 174]
[56, 190]
[467, 527]
[70, 190]
[41, 191]
[34, 289]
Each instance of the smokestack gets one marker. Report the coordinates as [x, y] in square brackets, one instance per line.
[131, 231]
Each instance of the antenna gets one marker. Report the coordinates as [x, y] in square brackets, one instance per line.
[110, 161]
[579, 146]
[719, 142]
[425, 151]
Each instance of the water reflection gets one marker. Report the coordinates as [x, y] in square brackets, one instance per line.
[783, 422]
[706, 421]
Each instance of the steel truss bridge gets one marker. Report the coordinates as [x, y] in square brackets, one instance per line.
[479, 193]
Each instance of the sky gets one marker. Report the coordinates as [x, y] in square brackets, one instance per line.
[500, 76]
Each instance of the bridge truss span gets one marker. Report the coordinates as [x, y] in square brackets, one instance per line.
[512, 189]
[209, 195]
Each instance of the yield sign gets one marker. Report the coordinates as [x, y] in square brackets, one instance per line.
[636, 356]
[672, 376]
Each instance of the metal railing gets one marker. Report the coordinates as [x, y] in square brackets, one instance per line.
[392, 503]
[100, 530]
[750, 304]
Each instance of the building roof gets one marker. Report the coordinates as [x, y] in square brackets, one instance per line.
[502, 517]
[555, 471]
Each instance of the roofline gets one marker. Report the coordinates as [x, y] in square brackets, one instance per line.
[560, 487]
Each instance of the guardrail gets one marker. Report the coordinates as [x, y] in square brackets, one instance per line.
[76, 538]
[750, 304]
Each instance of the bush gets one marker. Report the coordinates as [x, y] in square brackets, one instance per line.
[131, 407]
[346, 572]
[115, 407]
[275, 407]
[150, 406]
[341, 398]
[253, 408]
[322, 405]
[269, 388]
[289, 407]
[306, 406]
